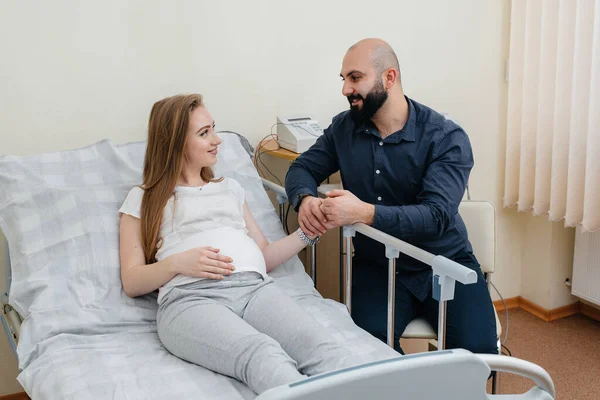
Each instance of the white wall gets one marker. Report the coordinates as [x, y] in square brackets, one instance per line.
[76, 72]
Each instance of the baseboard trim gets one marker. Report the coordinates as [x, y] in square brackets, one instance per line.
[548, 315]
[15, 396]
[511, 303]
[589, 311]
[534, 309]
[562, 312]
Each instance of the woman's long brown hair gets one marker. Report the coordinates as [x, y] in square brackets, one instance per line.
[163, 163]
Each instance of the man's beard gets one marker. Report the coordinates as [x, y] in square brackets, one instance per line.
[370, 105]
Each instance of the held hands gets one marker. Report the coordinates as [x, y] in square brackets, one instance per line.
[203, 262]
[310, 217]
[340, 208]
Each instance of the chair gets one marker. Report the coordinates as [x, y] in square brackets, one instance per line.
[480, 219]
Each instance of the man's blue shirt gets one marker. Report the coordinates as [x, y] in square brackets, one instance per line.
[415, 177]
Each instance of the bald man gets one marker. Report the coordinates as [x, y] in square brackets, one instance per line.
[404, 168]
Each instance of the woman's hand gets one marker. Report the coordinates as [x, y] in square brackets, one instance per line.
[311, 218]
[202, 262]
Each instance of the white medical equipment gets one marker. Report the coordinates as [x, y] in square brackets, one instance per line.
[81, 337]
[297, 134]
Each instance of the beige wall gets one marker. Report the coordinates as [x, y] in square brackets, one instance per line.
[537, 240]
[563, 246]
[547, 261]
[74, 73]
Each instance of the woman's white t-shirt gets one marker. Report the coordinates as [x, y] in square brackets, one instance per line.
[211, 215]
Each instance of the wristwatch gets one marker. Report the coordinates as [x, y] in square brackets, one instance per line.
[307, 241]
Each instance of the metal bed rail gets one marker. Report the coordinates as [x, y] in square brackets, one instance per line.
[445, 271]
[281, 200]
[445, 274]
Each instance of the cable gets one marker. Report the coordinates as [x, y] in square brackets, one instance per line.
[267, 168]
[260, 143]
[273, 136]
[258, 153]
[505, 312]
[507, 350]
[285, 218]
[260, 150]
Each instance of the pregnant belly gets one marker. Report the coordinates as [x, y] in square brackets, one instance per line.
[236, 244]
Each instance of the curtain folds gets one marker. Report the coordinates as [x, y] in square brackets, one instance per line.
[553, 127]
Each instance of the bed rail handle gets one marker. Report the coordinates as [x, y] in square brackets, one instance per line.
[275, 188]
[520, 367]
[445, 274]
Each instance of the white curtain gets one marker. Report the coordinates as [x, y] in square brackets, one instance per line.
[553, 128]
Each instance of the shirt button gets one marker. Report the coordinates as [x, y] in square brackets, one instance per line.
[377, 172]
[379, 198]
[381, 143]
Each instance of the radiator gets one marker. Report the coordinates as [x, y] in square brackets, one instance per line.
[586, 266]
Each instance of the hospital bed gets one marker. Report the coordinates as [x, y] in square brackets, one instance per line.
[77, 335]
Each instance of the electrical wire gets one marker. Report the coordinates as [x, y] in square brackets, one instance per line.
[505, 313]
[260, 160]
[260, 150]
[260, 144]
[285, 218]
[508, 352]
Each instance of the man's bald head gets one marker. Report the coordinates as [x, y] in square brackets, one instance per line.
[371, 76]
[380, 54]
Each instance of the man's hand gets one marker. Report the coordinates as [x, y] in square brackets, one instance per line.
[310, 217]
[341, 207]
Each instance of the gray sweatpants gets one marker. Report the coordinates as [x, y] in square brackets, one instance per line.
[243, 326]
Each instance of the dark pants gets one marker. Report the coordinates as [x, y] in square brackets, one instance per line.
[470, 320]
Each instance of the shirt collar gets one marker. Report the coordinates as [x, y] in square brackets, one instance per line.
[407, 133]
